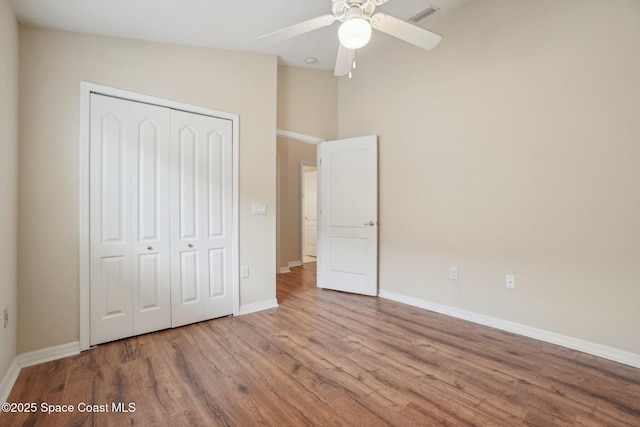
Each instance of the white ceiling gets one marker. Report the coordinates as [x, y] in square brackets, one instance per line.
[224, 24]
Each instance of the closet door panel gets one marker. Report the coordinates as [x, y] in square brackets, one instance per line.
[152, 156]
[189, 169]
[215, 188]
[201, 166]
[149, 279]
[114, 294]
[217, 273]
[186, 178]
[151, 270]
[220, 215]
[129, 218]
[189, 286]
[111, 160]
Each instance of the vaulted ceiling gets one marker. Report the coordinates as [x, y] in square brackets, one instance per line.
[224, 24]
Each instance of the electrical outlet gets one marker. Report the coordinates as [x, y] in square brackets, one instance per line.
[510, 281]
[453, 273]
[6, 317]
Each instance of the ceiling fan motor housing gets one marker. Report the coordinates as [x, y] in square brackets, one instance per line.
[346, 9]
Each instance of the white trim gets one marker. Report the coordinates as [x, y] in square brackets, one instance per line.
[48, 354]
[86, 89]
[235, 253]
[303, 183]
[299, 137]
[278, 212]
[617, 355]
[34, 358]
[147, 99]
[9, 380]
[290, 264]
[258, 306]
[83, 201]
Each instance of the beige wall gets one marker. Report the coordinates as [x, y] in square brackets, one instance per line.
[291, 155]
[52, 64]
[308, 102]
[8, 182]
[512, 148]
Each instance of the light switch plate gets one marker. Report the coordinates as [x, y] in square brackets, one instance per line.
[258, 209]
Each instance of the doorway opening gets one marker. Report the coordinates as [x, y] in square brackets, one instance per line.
[346, 237]
[296, 223]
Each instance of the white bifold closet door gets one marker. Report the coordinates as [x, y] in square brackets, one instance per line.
[201, 217]
[129, 218]
[160, 218]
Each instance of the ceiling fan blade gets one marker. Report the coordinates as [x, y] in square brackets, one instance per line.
[405, 31]
[298, 29]
[344, 61]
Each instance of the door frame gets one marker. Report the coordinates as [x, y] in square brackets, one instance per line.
[302, 202]
[86, 88]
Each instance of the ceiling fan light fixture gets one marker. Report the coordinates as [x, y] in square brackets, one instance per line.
[354, 33]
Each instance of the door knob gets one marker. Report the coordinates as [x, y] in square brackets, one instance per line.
[150, 248]
[190, 245]
[370, 223]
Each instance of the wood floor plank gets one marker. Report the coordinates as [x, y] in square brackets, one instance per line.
[326, 358]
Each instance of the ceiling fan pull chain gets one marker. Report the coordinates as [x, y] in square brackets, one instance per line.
[353, 65]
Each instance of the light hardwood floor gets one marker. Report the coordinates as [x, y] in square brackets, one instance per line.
[326, 358]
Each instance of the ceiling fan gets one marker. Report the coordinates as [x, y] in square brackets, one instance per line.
[358, 17]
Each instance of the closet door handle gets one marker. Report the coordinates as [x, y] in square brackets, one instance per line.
[150, 248]
[190, 245]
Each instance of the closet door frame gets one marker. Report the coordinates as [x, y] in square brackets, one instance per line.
[86, 89]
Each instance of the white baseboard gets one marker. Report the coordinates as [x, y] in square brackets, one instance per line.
[34, 358]
[48, 354]
[290, 264]
[9, 380]
[258, 306]
[617, 355]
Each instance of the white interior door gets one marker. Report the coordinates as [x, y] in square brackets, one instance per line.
[310, 214]
[348, 215]
[201, 217]
[129, 233]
